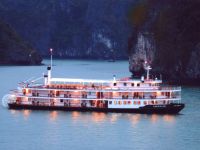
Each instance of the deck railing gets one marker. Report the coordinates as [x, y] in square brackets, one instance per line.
[110, 89]
[172, 88]
[100, 98]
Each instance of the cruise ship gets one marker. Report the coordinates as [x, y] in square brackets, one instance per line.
[144, 95]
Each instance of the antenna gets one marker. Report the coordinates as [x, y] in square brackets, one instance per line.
[51, 52]
[114, 77]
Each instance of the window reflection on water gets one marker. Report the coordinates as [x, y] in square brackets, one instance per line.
[169, 118]
[134, 118]
[154, 118]
[53, 115]
[99, 117]
[26, 113]
[75, 115]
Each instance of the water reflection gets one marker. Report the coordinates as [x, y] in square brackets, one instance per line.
[13, 111]
[75, 115]
[134, 118]
[114, 117]
[53, 115]
[169, 118]
[154, 118]
[98, 117]
[26, 113]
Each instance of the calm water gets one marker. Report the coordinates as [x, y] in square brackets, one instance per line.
[74, 130]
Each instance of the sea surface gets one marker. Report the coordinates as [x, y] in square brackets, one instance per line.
[57, 130]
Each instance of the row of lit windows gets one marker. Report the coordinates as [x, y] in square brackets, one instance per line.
[127, 102]
[139, 102]
[125, 84]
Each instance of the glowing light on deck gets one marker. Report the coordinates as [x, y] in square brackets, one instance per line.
[158, 93]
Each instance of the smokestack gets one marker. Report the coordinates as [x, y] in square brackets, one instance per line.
[142, 78]
[45, 79]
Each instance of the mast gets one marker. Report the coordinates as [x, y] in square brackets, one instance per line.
[148, 68]
[49, 68]
[51, 53]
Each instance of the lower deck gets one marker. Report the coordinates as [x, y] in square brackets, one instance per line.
[93, 103]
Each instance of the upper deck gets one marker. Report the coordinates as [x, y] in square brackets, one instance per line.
[129, 85]
[120, 85]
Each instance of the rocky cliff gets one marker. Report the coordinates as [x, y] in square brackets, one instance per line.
[74, 28]
[167, 35]
[13, 50]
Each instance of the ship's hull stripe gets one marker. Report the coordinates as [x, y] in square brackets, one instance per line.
[149, 109]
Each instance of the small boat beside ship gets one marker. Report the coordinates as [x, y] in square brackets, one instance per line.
[130, 95]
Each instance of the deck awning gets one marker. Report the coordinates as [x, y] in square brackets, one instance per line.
[69, 80]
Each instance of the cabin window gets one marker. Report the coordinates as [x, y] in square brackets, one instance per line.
[138, 84]
[132, 84]
[115, 103]
[61, 100]
[114, 84]
[110, 102]
[134, 103]
[124, 102]
[119, 102]
[129, 102]
[138, 102]
[145, 102]
[125, 84]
